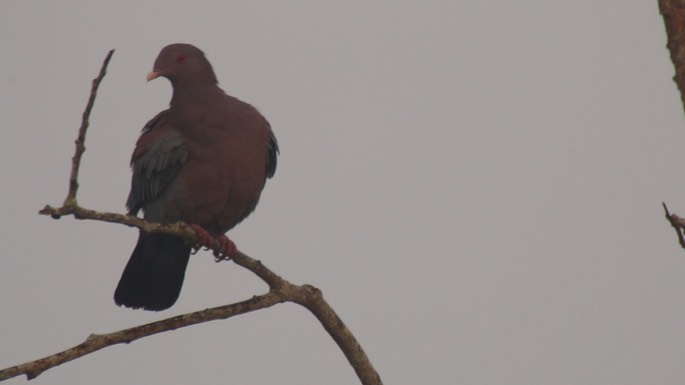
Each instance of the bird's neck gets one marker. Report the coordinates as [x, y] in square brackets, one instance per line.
[192, 95]
[195, 104]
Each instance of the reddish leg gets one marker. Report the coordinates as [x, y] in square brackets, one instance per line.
[228, 248]
[205, 239]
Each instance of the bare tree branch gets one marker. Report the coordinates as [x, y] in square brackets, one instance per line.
[95, 342]
[673, 12]
[81, 139]
[280, 290]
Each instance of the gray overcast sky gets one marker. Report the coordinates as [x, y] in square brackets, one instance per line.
[475, 186]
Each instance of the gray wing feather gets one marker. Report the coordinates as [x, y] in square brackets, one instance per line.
[157, 167]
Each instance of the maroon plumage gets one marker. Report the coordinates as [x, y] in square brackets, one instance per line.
[203, 161]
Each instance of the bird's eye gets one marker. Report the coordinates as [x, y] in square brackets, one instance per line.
[181, 59]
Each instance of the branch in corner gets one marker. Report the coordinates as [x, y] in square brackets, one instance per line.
[678, 224]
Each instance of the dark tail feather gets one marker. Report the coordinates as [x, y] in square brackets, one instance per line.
[153, 277]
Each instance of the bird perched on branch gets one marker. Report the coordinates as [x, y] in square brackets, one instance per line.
[203, 161]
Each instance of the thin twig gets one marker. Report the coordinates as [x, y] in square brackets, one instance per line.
[678, 224]
[280, 290]
[81, 139]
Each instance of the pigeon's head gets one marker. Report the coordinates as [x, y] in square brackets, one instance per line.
[182, 62]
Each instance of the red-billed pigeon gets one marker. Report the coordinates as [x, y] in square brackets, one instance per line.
[203, 161]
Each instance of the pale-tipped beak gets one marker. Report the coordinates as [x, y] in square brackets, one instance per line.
[152, 75]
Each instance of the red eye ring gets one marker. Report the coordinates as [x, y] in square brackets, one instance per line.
[181, 59]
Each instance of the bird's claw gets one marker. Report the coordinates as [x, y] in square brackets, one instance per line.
[204, 239]
[226, 250]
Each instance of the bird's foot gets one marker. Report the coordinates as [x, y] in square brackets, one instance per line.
[204, 239]
[227, 249]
